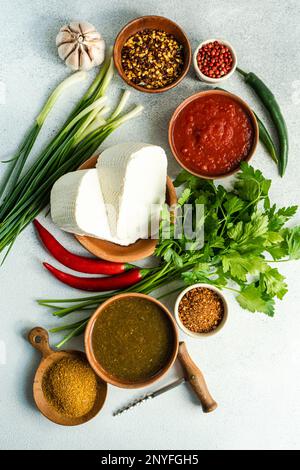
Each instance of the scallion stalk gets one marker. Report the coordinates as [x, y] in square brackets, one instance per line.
[78, 139]
[19, 160]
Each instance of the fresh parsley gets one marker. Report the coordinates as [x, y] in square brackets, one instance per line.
[242, 231]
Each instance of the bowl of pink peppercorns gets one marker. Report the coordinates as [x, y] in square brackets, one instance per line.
[214, 60]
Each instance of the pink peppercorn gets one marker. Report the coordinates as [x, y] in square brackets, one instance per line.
[214, 59]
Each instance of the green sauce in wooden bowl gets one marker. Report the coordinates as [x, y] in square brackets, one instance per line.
[133, 339]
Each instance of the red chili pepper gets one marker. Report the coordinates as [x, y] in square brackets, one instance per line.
[82, 264]
[99, 284]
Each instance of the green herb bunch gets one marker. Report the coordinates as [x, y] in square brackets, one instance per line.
[244, 237]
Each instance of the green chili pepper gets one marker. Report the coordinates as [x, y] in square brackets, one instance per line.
[266, 139]
[264, 136]
[269, 101]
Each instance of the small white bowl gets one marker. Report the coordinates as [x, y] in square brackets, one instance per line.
[205, 78]
[192, 333]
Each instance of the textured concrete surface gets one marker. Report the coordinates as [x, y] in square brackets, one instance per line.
[252, 367]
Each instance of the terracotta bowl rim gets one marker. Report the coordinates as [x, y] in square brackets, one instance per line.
[95, 364]
[187, 52]
[196, 96]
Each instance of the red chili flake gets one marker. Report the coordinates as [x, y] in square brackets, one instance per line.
[214, 59]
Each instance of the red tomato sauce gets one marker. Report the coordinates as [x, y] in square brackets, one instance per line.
[212, 135]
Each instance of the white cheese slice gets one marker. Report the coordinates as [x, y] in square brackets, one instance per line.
[77, 204]
[133, 183]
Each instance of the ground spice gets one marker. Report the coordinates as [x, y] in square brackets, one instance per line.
[214, 59]
[70, 386]
[201, 310]
[152, 58]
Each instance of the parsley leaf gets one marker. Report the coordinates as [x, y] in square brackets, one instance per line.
[233, 204]
[245, 232]
[184, 196]
[239, 265]
[278, 251]
[293, 242]
[252, 298]
[273, 283]
[279, 218]
[251, 185]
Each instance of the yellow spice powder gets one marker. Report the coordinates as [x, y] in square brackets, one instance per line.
[70, 386]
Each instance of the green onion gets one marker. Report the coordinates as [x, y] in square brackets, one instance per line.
[21, 156]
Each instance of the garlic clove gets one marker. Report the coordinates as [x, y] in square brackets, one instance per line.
[98, 55]
[72, 60]
[86, 28]
[85, 61]
[74, 27]
[63, 37]
[66, 49]
[93, 37]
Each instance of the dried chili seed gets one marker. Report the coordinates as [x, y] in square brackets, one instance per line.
[152, 58]
[217, 56]
[201, 310]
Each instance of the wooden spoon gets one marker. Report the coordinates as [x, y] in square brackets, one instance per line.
[39, 339]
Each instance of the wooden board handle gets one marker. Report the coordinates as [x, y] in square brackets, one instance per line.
[39, 339]
[196, 379]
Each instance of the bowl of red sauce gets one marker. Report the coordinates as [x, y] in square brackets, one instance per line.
[212, 132]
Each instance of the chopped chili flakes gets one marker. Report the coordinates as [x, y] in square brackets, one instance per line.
[201, 310]
[152, 58]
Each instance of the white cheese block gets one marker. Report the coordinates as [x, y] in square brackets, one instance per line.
[77, 204]
[133, 183]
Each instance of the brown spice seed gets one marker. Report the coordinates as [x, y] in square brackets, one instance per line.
[149, 53]
[201, 310]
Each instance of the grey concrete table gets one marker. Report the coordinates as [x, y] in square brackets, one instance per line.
[252, 367]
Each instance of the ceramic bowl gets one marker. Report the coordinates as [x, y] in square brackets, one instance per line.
[192, 333]
[186, 102]
[100, 371]
[118, 253]
[205, 78]
[152, 22]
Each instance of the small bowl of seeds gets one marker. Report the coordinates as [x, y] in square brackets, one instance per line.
[214, 61]
[201, 310]
[152, 54]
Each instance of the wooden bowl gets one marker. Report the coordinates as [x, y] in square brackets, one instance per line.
[99, 369]
[118, 253]
[244, 105]
[39, 339]
[152, 22]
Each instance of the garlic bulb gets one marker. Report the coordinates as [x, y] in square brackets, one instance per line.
[80, 46]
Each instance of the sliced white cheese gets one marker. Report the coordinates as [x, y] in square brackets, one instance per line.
[77, 204]
[133, 183]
